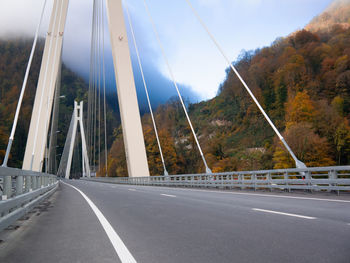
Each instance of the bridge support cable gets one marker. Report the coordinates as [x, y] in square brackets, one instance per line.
[298, 163]
[92, 89]
[145, 86]
[24, 85]
[66, 159]
[91, 97]
[104, 91]
[99, 83]
[95, 83]
[207, 169]
[51, 163]
[96, 114]
[51, 113]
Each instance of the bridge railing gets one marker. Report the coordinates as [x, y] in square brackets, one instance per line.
[335, 178]
[20, 191]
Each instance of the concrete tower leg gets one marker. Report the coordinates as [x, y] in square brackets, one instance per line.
[135, 150]
[45, 89]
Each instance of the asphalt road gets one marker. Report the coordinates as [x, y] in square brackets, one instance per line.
[156, 224]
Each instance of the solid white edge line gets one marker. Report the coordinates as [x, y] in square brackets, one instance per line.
[168, 195]
[120, 248]
[281, 213]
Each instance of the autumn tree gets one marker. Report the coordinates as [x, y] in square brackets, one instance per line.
[307, 146]
[116, 157]
[299, 109]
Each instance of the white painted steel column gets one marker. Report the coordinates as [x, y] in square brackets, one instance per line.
[135, 150]
[71, 146]
[46, 85]
[85, 159]
[82, 142]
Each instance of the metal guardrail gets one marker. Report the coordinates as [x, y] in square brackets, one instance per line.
[334, 178]
[20, 191]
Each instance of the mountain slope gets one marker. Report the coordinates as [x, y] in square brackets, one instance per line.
[13, 61]
[338, 13]
[303, 82]
[14, 55]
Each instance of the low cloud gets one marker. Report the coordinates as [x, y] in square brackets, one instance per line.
[17, 21]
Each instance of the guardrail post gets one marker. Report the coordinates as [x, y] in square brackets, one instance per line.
[286, 180]
[19, 185]
[269, 181]
[333, 175]
[7, 188]
[308, 180]
[28, 182]
[34, 183]
[254, 178]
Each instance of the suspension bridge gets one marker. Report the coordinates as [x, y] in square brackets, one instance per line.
[289, 215]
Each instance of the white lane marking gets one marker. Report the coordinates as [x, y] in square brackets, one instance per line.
[281, 213]
[266, 195]
[168, 195]
[262, 195]
[122, 251]
[132, 189]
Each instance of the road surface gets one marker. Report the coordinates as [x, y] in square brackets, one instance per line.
[99, 222]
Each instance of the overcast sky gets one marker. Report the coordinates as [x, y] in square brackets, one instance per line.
[237, 25]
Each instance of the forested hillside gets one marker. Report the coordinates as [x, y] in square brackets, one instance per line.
[14, 54]
[338, 13]
[303, 81]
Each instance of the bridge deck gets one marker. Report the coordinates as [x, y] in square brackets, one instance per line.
[184, 225]
[62, 229]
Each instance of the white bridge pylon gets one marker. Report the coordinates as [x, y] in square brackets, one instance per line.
[67, 156]
[135, 149]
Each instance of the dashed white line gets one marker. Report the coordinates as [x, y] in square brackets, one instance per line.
[168, 195]
[119, 246]
[263, 195]
[281, 213]
[132, 189]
